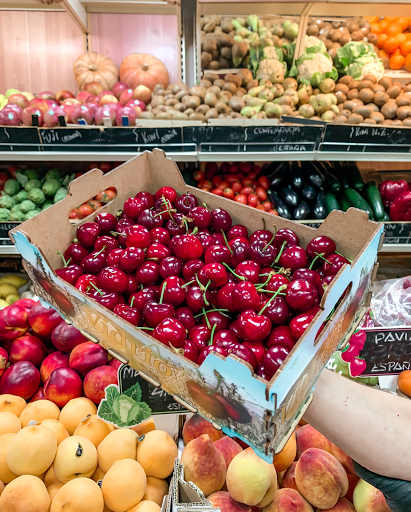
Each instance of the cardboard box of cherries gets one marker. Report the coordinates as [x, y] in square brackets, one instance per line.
[215, 289]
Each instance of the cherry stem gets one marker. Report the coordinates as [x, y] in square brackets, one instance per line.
[282, 287]
[270, 242]
[163, 289]
[170, 211]
[146, 328]
[95, 287]
[188, 284]
[205, 206]
[119, 213]
[115, 234]
[195, 231]
[215, 309]
[315, 259]
[75, 240]
[212, 334]
[271, 291]
[281, 251]
[261, 285]
[241, 278]
[131, 303]
[206, 317]
[100, 251]
[342, 255]
[322, 257]
[186, 225]
[66, 263]
[226, 241]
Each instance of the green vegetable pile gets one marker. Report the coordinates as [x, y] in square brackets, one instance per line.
[31, 192]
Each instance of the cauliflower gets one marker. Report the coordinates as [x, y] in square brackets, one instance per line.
[17, 216]
[60, 194]
[374, 67]
[50, 187]
[4, 214]
[6, 202]
[21, 196]
[53, 174]
[313, 68]
[315, 43]
[271, 52]
[32, 184]
[272, 69]
[359, 59]
[26, 206]
[11, 187]
[31, 214]
[37, 196]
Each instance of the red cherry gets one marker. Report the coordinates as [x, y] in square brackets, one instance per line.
[106, 299]
[307, 275]
[172, 292]
[239, 249]
[132, 285]
[130, 259]
[320, 245]
[76, 252]
[263, 253]
[88, 233]
[147, 198]
[109, 242]
[224, 338]
[245, 297]
[133, 207]
[243, 352]
[237, 231]
[215, 273]
[157, 252]
[188, 247]
[191, 351]
[225, 299]
[258, 349]
[138, 236]
[113, 280]
[253, 327]
[140, 299]
[148, 273]
[170, 266]
[209, 350]
[217, 254]
[186, 317]
[277, 311]
[132, 315]
[300, 294]
[113, 257]
[200, 335]
[154, 313]
[293, 257]
[185, 203]
[160, 236]
[107, 222]
[261, 234]
[94, 262]
[249, 269]
[148, 219]
[215, 318]
[281, 336]
[285, 235]
[191, 268]
[299, 324]
[70, 274]
[275, 282]
[84, 283]
[200, 216]
[168, 192]
[333, 265]
[163, 208]
[274, 358]
[220, 220]
[195, 299]
[171, 332]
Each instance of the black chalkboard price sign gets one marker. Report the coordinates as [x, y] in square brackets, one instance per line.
[157, 399]
[73, 139]
[386, 351]
[19, 139]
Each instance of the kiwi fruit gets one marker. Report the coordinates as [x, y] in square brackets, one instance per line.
[341, 97]
[171, 102]
[343, 88]
[388, 122]
[210, 99]
[230, 87]
[404, 112]
[211, 114]
[146, 115]
[340, 120]
[206, 59]
[188, 112]
[407, 88]
[403, 100]
[225, 97]
[251, 84]
[346, 80]
[345, 112]
[377, 88]
[366, 95]
[313, 30]
[205, 83]
[211, 77]
[158, 100]
[349, 105]
[345, 38]
[336, 36]
[352, 27]
[365, 84]
[370, 121]
[386, 82]
[407, 122]
[333, 50]
[394, 91]
[215, 90]
[355, 119]
[378, 117]
[164, 115]
[235, 79]
[353, 93]
[374, 107]
[357, 35]
[397, 122]
[214, 65]
[180, 106]
[381, 98]
[389, 110]
[372, 38]
[363, 111]
[197, 117]
[354, 84]
[236, 104]
[246, 76]
[202, 109]
[219, 83]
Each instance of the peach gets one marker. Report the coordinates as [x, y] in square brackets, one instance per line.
[196, 426]
[52, 362]
[320, 478]
[229, 448]
[43, 320]
[28, 348]
[287, 500]
[342, 505]
[345, 460]
[96, 382]
[308, 437]
[289, 478]
[369, 499]
[251, 480]
[86, 357]
[63, 385]
[285, 458]
[204, 465]
[352, 482]
[225, 503]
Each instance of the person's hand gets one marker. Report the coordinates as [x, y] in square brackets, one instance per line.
[397, 492]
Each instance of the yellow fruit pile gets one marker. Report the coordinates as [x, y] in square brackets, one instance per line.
[73, 461]
[9, 289]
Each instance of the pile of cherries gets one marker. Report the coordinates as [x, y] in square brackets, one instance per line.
[198, 284]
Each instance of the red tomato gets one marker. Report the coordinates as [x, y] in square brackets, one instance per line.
[85, 210]
[239, 175]
[205, 189]
[216, 180]
[112, 188]
[106, 196]
[260, 207]
[198, 176]
[247, 182]
[236, 187]
[205, 184]
[78, 174]
[252, 175]
[4, 176]
[223, 185]
[268, 206]
[233, 168]
[74, 214]
[241, 198]
[264, 182]
[255, 184]
[95, 204]
[13, 169]
[217, 191]
[257, 169]
[231, 178]
[253, 199]
[246, 191]
[245, 167]
[262, 194]
[273, 212]
[228, 193]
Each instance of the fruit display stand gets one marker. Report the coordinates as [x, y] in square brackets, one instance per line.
[271, 408]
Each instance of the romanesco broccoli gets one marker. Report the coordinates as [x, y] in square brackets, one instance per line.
[31, 174]
[37, 196]
[32, 184]
[11, 187]
[50, 187]
[26, 206]
[46, 205]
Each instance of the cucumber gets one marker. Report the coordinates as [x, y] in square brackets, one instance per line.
[374, 199]
[344, 204]
[354, 199]
[386, 217]
[332, 182]
[342, 175]
[354, 177]
[332, 202]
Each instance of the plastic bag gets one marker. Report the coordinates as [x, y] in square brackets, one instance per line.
[391, 306]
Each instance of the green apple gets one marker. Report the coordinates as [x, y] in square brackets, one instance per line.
[9, 92]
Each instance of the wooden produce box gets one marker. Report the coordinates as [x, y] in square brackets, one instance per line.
[261, 413]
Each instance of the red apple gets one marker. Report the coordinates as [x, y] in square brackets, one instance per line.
[63, 385]
[107, 98]
[104, 113]
[18, 99]
[63, 95]
[15, 108]
[71, 101]
[52, 362]
[9, 118]
[32, 111]
[83, 95]
[28, 348]
[21, 379]
[105, 92]
[137, 103]
[118, 89]
[43, 320]
[65, 337]
[126, 96]
[39, 103]
[115, 363]
[96, 382]
[93, 99]
[69, 110]
[4, 357]
[28, 95]
[46, 95]
[51, 103]
[86, 357]
[38, 395]
[83, 112]
[94, 88]
[142, 93]
[126, 112]
[51, 117]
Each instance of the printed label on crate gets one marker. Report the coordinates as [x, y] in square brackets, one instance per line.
[254, 138]
[366, 139]
[19, 139]
[374, 352]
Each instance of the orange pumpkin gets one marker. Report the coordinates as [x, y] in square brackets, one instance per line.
[95, 67]
[143, 69]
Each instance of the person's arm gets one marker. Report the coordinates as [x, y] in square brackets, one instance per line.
[369, 425]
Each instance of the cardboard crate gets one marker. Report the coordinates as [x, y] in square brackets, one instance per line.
[261, 413]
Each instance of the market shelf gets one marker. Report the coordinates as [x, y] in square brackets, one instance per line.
[80, 156]
[212, 156]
